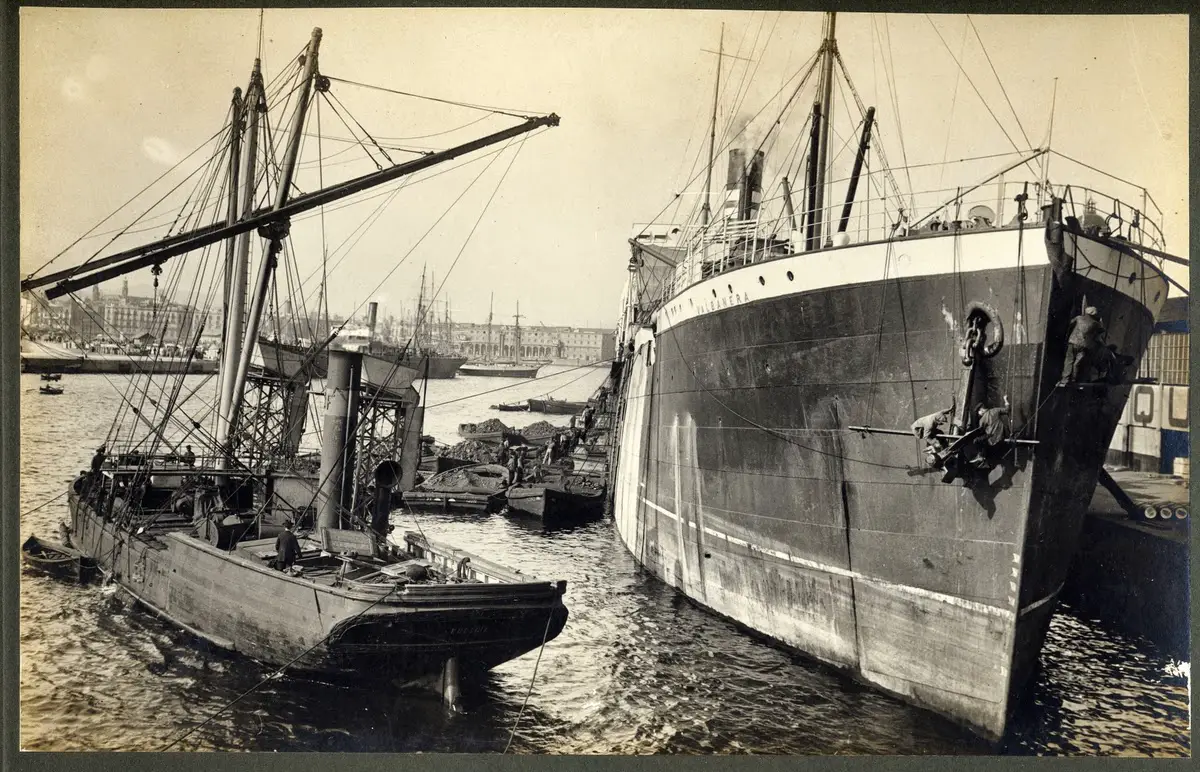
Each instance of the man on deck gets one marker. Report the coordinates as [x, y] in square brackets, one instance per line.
[189, 457]
[98, 459]
[95, 482]
[287, 548]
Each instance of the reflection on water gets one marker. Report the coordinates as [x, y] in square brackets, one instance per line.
[638, 669]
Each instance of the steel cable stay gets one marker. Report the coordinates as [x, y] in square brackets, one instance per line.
[743, 87]
[725, 146]
[953, 103]
[396, 364]
[122, 206]
[511, 112]
[726, 143]
[124, 395]
[360, 231]
[156, 180]
[999, 82]
[333, 107]
[877, 141]
[977, 93]
[331, 95]
[466, 241]
[172, 282]
[889, 77]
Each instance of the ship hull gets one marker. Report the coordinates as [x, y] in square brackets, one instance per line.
[287, 360]
[501, 371]
[739, 482]
[315, 629]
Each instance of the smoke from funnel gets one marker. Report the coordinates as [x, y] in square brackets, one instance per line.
[372, 311]
[743, 184]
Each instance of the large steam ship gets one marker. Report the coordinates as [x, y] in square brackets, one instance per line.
[873, 438]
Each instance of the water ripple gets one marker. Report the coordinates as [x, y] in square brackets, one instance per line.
[637, 669]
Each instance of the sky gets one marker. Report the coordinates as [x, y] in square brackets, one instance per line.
[112, 99]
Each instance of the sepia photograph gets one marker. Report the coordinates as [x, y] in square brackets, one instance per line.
[603, 381]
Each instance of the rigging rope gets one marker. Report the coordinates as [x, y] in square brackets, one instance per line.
[976, 89]
[338, 113]
[469, 105]
[156, 180]
[953, 102]
[983, 48]
[523, 382]
[334, 96]
[889, 65]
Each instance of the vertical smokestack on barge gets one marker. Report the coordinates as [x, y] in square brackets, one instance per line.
[341, 387]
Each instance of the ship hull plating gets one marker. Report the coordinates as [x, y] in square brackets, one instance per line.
[740, 483]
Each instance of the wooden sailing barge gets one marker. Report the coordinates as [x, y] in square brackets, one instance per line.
[186, 538]
[772, 366]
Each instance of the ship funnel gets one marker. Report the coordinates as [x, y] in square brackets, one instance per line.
[743, 185]
[372, 312]
[752, 186]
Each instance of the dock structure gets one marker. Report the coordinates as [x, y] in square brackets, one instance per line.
[1131, 570]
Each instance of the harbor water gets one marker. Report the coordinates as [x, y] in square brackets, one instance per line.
[638, 669]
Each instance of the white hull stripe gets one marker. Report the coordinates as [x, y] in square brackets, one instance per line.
[919, 592]
[978, 250]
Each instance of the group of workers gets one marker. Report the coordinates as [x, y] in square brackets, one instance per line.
[526, 465]
[1087, 360]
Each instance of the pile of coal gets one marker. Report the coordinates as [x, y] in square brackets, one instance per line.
[469, 450]
[491, 425]
[541, 429]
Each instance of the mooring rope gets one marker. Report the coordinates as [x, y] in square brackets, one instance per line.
[272, 676]
[532, 678]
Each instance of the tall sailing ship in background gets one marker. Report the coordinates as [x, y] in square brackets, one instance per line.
[192, 536]
[491, 367]
[785, 359]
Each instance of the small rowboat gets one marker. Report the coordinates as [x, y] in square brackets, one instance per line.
[51, 376]
[51, 390]
[57, 560]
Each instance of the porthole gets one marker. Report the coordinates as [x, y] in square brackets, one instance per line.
[730, 286]
[714, 293]
[1132, 277]
[790, 276]
[762, 281]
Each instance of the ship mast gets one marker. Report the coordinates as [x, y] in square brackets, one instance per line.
[828, 52]
[517, 334]
[275, 231]
[420, 313]
[706, 212]
[239, 267]
[488, 352]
